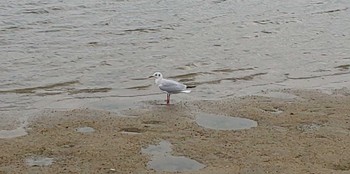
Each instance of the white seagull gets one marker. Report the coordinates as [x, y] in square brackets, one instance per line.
[169, 86]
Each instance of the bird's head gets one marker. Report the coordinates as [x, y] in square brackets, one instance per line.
[156, 75]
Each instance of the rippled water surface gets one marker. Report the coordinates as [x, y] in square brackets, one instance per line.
[56, 54]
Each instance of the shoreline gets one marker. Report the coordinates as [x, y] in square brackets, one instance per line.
[308, 133]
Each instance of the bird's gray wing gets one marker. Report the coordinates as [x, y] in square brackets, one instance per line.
[171, 86]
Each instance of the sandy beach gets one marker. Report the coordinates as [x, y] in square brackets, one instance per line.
[306, 133]
[269, 80]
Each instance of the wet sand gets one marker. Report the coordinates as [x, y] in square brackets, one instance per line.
[308, 133]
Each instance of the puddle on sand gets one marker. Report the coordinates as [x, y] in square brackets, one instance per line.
[162, 160]
[220, 122]
[39, 161]
[164, 147]
[174, 164]
[85, 129]
[20, 131]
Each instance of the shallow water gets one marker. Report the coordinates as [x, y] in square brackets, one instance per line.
[69, 54]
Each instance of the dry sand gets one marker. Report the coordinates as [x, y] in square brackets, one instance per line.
[306, 134]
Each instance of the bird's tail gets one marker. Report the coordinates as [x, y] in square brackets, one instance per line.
[186, 91]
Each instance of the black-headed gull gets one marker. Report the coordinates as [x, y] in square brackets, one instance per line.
[169, 86]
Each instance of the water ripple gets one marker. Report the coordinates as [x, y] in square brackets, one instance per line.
[107, 45]
[33, 89]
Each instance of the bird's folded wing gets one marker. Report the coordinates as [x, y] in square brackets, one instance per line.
[171, 86]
